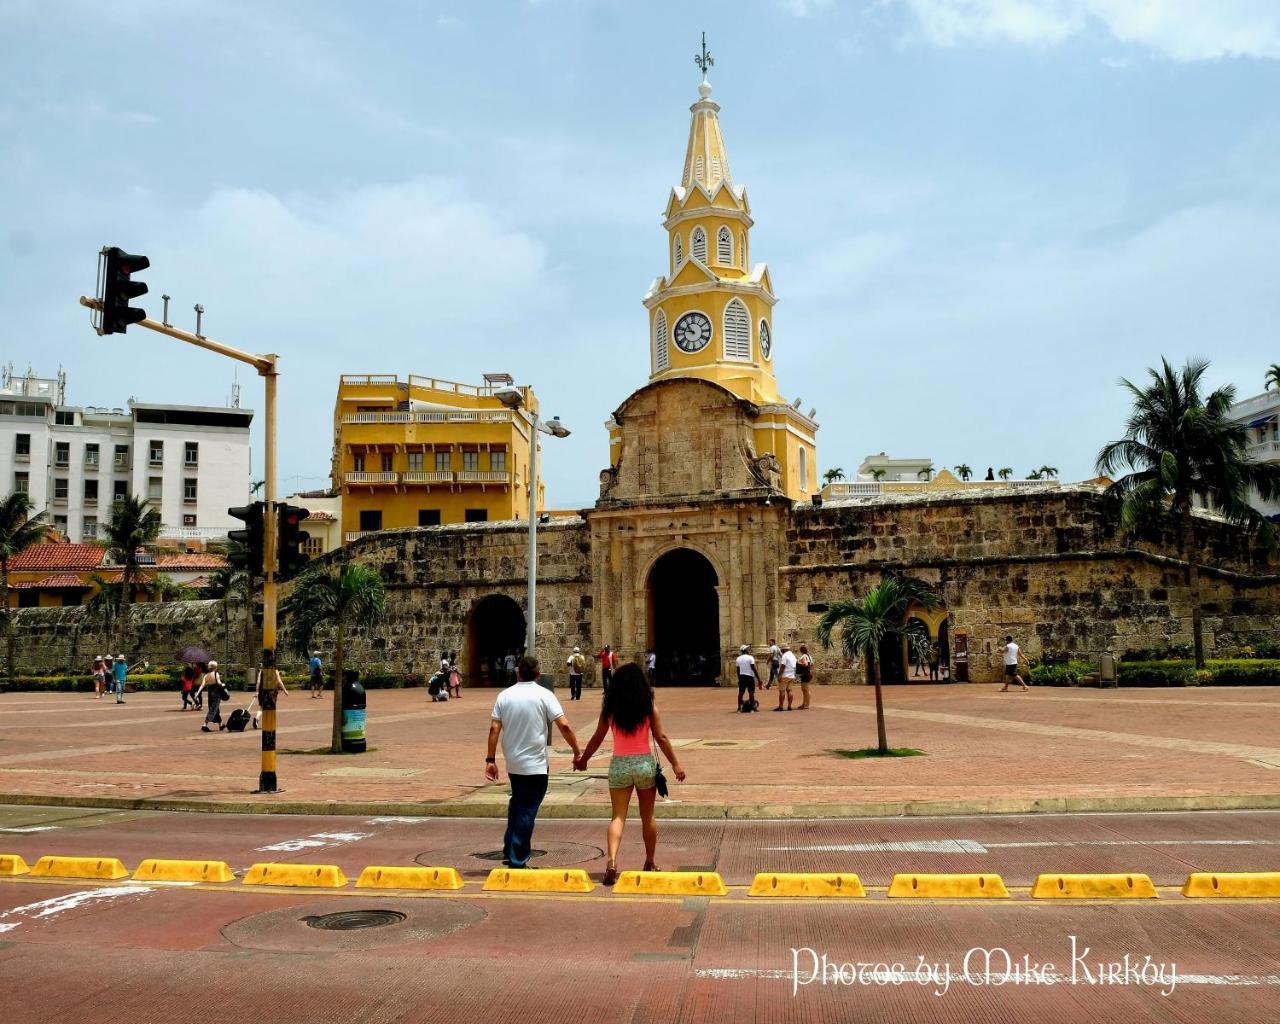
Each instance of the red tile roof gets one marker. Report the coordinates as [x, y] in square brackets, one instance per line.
[322, 516]
[170, 563]
[140, 576]
[67, 557]
[59, 581]
[199, 583]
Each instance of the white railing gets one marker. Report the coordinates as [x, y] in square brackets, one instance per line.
[870, 488]
[371, 478]
[435, 476]
[370, 378]
[857, 487]
[194, 532]
[1262, 448]
[471, 476]
[352, 535]
[1264, 402]
[478, 416]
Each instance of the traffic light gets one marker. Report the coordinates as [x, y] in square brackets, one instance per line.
[290, 537]
[118, 289]
[249, 555]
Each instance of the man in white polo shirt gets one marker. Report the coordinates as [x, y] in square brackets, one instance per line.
[786, 677]
[522, 717]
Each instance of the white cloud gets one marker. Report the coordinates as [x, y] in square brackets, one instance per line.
[1180, 29]
[804, 8]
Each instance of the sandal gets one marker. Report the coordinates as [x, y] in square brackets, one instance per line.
[610, 874]
[650, 866]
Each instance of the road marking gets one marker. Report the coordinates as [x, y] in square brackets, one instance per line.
[973, 846]
[31, 828]
[55, 755]
[65, 902]
[314, 842]
[917, 846]
[394, 821]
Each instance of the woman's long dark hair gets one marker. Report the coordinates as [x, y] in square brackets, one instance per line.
[628, 702]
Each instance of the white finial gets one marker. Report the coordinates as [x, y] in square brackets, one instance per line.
[704, 90]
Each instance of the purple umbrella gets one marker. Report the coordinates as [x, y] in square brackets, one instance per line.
[192, 655]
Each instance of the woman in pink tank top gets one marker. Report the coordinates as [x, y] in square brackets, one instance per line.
[628, 713]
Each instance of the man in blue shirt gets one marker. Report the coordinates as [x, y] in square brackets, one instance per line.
[120, 676]
[317, 675]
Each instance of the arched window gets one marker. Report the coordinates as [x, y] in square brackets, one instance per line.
[660, 356]
[737, 332]
[724, 247]
[698, 245]
[742, 249]
[697, 169]
[804, 470]
[678, 253]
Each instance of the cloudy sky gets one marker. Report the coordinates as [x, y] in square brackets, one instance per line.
[977, 213]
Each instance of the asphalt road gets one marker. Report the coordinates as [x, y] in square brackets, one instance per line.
[77, 950]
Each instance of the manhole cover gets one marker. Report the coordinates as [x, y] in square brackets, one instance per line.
[549, 853]
[498, 854]
[353, 920]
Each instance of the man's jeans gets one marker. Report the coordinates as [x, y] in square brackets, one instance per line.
[575, 687]
[527, 792]
[117, 686]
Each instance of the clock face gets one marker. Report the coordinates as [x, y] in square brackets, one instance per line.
[693, 332]
[766, 340]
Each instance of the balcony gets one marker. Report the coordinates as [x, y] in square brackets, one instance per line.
[371, 478]
[1264, 451]
[354, 535]
[438, 476]
[194, 533]
[121, 463]
[62, 462]
[189, 499]
[390, 417]
[495, 476]
[91, 461]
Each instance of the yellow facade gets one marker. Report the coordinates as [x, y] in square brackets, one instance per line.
[425, 452]
[711, 314]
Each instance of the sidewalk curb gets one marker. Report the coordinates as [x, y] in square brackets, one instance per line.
[736, 812]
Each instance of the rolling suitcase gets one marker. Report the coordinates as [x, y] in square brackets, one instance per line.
[237, 720]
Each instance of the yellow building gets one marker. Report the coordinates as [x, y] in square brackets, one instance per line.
[428, 452]
[711, 314]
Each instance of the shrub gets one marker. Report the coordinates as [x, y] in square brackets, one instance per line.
[1251, 672]
[1068, 673]
[1219, 672]
[1156, 673]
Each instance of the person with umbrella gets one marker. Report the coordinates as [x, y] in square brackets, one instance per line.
[193, 661]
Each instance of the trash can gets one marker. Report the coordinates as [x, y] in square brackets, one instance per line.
[1107, 670]
[353, 710]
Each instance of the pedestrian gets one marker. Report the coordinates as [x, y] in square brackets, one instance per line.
[218, 692]
[1012, 655]
[748, 677]
[786, 676]
[606, 657]
[455, 677]
[629, 712]
[522, 718]
[120, 676]
[935, 656]
[188, 684]
[804, 674]
[509, 668]
[577, 665]
[315, 669]
[651, 666]
[775, 661]
[257, 693]
[99, 676]
[991, 475]
[197, 698]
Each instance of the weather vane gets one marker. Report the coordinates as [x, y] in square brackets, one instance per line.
[704, 60]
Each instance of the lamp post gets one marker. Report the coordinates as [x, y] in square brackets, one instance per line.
[513, 399]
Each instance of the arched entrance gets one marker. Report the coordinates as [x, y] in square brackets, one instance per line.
[684, 618]
[495, 627]
[926, 657]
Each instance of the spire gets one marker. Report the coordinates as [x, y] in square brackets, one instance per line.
[705, 161]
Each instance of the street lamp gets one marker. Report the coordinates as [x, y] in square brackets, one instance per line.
[513, 399]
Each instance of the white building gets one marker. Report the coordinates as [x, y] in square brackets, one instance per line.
[1259, 414]
[191, 462]
[894, 469]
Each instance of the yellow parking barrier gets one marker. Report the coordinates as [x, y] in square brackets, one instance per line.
[12, 864]
[409, 878]
[1093, 887]
[79, 867]
[154, 870]
[957, 887]
[538, 880]
[792, 884]
[1249, 884]
[671, 883]
[328, 876]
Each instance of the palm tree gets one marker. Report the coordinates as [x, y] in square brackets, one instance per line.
[868, 621]
[1182, 447]
[964, 472]
[1049, 471]
[352, 595]
[134, 524]
[878, 474]
[19, 530]
[226, 583]
[1035, 474]
[1273, 377]
[832, 475]
[925, 474]
[1005, 472]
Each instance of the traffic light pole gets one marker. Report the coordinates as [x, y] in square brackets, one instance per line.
[266, 367]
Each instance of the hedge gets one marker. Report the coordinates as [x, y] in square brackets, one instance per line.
[1068, 673]
[153, 681]
[1224, 672]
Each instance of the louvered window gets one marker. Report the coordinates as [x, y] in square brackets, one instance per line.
[737, 332]
[660, 357]
[715, 168]
[679, 253]
[724, 247]
[742, 249]
[698, 244]
[697, 168]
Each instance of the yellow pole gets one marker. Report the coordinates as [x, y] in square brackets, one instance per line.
[268, 691]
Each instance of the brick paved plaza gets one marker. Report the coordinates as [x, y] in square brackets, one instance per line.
[1050, 749]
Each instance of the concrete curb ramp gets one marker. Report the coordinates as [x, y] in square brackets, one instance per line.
[79, 867]
[409, 878]
[1240, 884]
[784, 884]
[961, 887]
[672, 883]
[538, 880]
[326, 876]
[12, 864]
[153, 870]
[1093, 887]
